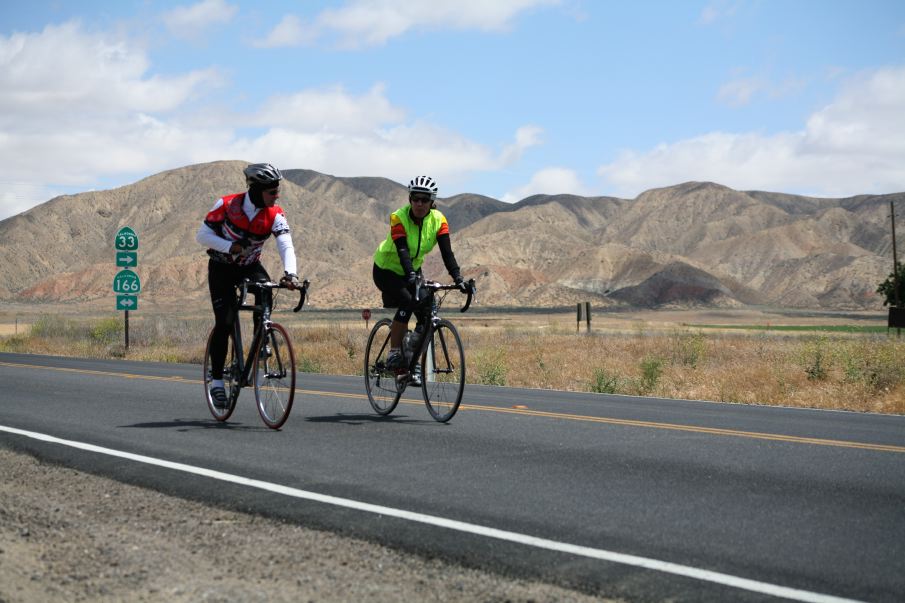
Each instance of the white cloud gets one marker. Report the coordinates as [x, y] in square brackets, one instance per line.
[94, 116]
[549, 181]
[525, 137]
[290, 31]
[739, 91]
[330, 110]
[188, 21]
[364, 23]
[65, 67]
[854, 145]
[77, 106]
[718, 10]
[332, 131]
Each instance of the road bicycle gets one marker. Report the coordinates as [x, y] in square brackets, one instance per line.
[436, 354]
[270, 364]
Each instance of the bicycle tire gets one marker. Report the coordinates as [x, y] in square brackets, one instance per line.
[443, 372]
[230, 378]
[274, 376]
[383, 389]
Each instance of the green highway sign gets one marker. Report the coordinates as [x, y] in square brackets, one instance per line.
[126, 259]
[126, 239]
[126, 282]
[127, 302]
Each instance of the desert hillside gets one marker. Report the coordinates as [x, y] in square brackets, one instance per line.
[692, 244]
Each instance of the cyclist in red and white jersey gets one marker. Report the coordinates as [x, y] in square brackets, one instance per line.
[234, 232]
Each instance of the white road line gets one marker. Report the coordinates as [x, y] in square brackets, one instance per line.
[461, 526]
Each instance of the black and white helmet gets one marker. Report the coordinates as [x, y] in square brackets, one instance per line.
[262, 175]
[423, 184]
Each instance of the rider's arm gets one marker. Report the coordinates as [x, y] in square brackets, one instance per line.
[287, 253]
[210, 239]
[405, 258]
[449, 259]
[284, 244]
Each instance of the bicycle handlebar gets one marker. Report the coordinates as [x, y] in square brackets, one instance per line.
[303, 292]
[472, 289]
[246, 283]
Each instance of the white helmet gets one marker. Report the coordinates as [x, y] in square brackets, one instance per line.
[423, 184]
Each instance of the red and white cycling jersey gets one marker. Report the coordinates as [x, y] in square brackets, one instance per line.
[234, 219]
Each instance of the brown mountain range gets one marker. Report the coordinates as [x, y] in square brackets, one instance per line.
[690, 244]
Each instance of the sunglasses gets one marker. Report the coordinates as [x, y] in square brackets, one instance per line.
[274, 192]
[420, 199]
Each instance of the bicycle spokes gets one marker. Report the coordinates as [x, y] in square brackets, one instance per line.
[380, 382]
[230, 378]
[444, 372]
[274, 377]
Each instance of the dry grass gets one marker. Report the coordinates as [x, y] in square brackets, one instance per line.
[862, 372]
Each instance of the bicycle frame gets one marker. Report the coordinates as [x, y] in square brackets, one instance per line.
[433, 319]
[440, 351]
[269, 365]
[260, 327]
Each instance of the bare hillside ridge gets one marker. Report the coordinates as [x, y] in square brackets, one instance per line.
[692, 244]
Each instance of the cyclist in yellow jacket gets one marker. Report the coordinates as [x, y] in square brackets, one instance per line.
[414, 230]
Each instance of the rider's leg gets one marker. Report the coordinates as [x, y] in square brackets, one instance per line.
[256, 272]
[220, 278]
[395, 294]
[398, 328]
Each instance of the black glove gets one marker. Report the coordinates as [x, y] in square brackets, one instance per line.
[411, 279]
[243, 244]
[460, 283]
[290, 279]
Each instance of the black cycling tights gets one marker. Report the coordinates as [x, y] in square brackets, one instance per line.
[222, 280]
[396, 294]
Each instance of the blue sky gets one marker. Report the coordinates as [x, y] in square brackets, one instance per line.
[504, 98]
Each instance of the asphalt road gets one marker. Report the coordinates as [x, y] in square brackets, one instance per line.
[646, 499]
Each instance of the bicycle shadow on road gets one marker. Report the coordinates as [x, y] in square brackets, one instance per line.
[362, 419]
[193, 424]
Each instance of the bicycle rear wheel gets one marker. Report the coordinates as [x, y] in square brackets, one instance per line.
[380, 382]
[443, 372]
[230, 378]
[274, 376]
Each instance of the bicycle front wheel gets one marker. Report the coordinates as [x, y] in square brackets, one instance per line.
[380, 382]
[443, 372]
[274, 376]
[230, 378]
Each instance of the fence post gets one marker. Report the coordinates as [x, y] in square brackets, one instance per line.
[578, 317]
[587, 315]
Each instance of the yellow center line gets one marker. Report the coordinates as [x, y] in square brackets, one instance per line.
[527, 412]
[694, 428]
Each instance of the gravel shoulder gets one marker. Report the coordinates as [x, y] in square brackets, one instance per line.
[72, 536]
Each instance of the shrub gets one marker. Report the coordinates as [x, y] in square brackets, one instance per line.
[815, 359]
[107, 331]
[651, 369]
[309, 365]
[491, 367]
[604, 382]
[688, 348]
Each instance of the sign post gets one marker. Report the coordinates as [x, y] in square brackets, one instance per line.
[126, 284]
[366, 315]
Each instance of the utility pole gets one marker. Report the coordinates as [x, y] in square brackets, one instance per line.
[896, 311]
[895, 259]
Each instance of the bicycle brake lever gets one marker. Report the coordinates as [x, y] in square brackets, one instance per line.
[472, 289]
[244, 291]
[303, 290]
